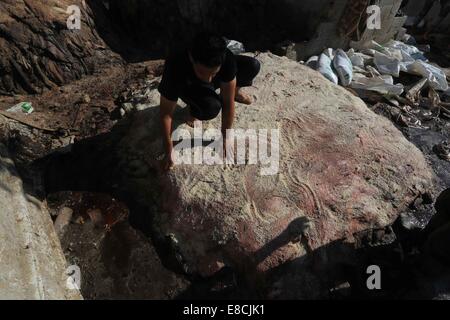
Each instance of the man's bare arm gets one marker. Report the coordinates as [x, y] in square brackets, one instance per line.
[228, 91]
[166, 109]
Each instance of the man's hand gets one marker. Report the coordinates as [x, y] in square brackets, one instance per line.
[228, 149]
[166, 108]
[167, 163]
[228, 92]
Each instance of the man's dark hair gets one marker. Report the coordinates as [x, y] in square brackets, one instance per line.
[208, 49]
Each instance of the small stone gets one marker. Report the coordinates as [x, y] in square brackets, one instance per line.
[417, 203]
[409, 222]
[127, 107]
[79, 220]
[443, 150]
[86, 98]
[62, 220]
[142, 107]
[149, 71]
[96, 217]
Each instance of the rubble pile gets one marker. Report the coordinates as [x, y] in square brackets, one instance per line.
[395, 79]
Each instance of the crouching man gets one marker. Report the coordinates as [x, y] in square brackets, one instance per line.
[194, 74]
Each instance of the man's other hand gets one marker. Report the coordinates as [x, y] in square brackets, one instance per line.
[167, 163]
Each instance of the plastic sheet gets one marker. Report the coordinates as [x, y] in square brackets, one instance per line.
[383, 84]
[343, 67]
[235, 46]
[436, 77]
[324, 67]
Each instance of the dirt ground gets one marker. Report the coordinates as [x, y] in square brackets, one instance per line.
[86, 107]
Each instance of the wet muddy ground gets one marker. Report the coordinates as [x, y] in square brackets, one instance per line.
[116, 261]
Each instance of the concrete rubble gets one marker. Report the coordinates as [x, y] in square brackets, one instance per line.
[32, 263]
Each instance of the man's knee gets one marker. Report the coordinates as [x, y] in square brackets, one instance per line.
[207, 109]
[255, 67]
[248, 69]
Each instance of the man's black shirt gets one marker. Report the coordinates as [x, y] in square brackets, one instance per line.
[179, 74]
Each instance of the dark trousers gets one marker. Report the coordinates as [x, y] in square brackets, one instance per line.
[205, 103]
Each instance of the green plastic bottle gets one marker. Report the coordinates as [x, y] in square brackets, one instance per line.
[27, 107]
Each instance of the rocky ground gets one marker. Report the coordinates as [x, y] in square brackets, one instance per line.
[353, 192]
[91, 165]
[39, 52]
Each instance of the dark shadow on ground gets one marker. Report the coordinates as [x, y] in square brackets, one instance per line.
[335, 271]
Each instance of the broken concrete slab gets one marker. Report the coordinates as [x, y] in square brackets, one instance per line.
[31, 260]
